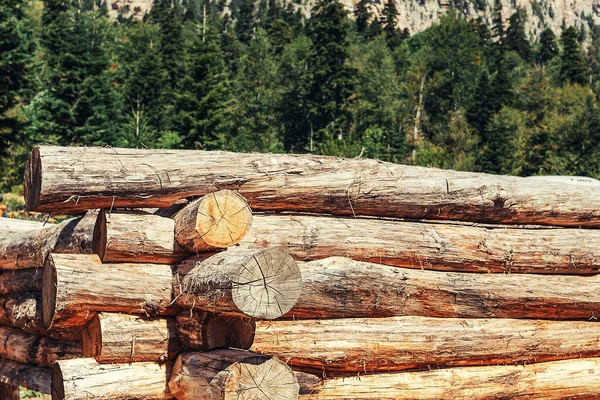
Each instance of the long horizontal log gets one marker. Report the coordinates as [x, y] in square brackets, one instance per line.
[28, 246]
[257, 283]
[77, 284]
[217, 220]
[438, 246]
[207, 331]
[231, 374]
[19, 281]
[31, 349]
[27, 376]
[84, 378]
[338, 287]
[138, 237]
[354, 345]
[63, 179]
[567, 379]
[120, 338]
[24, 311]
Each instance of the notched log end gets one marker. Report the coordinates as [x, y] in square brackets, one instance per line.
[49, 287]
[99, 241]
[58, 386]
[33, 180]
[91, 338]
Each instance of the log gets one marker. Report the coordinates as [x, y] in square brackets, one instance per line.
[138, 237]
[76, 284]
[121, 338]
[19, 281]
[28, 246]
[69, 180]
[27, 376]
[567, 379]
[338, 287]
[84, 378]
[217, 220]
[438, 246]
[207, 331]
[256, 283]
[231, 374]
[9, 392]
[32, 349]
[355, 345]
[24, 311]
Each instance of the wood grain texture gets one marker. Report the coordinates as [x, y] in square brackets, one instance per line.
[20, 281]
[120, 338]
[218, 220]
[63, 179]
[338, 287]
[256, 283]
[9, 392]
[84, 378]
[78, 285]
[32, 349]
[355, 345]
[567, 379]
[231, 374]
[138, 237]
[437, 246]
[207, 331]
[27, 376]
[25, 244]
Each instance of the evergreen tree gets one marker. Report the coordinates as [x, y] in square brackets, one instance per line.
[245, 24]
[515, 36]
[390, 19]
[572, 65]
[548, 47]
[362, 15]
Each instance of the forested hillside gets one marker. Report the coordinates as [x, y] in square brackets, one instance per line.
[462, 94]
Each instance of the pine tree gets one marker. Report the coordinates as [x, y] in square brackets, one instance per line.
[548, 47]
[515, 36]
[572, 65]
[362, 15]
[245, 24]
[390, 19]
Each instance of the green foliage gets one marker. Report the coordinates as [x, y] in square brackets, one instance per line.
[548, 47]
[572, 67]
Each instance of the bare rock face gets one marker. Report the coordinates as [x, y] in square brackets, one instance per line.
[418, 15]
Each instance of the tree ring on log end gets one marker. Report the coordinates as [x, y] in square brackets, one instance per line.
[58, 386]
[268, 284]
[259, 378]
[33, 180]
[49, 288]
[223, 218]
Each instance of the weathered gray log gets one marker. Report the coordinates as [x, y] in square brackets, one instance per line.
[366, 345]
[28, 246]
[438, 246]
[63, 179]
[207, 331]
[256, 283]
[338, 287]
[77, 285]
[27, 376]
[215, 221]
[231, 374]
[31, 349]
[567, 379]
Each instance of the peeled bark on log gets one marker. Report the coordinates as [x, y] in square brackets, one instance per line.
[78, 284]
[257, 283]
[231, 374]
[438, 246]
[139, 238]
[71, 179]
[84, 378]
[338, 287]
[567, 379]
[28, 247]
[123, 338]
[9, 392]
[19, 281]
[27, 376]
[32, 349]
[354, 345]
[24, 311]
[207, 331]
[217, 220]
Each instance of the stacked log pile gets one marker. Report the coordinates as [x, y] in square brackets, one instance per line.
[349, 279]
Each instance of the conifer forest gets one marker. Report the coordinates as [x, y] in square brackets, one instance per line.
[262, 76]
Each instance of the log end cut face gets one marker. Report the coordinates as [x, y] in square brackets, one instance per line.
[268, 285]
[223, 218]
[276, 380]
[33, 180]
[58, 386]
[49, 292]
